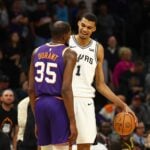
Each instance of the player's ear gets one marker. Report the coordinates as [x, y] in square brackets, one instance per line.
[64, 37]
[79, 22]
[94, 29]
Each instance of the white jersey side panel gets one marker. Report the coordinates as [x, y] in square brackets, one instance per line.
[84, 71]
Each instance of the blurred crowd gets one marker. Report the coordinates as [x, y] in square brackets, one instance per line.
[123, 29]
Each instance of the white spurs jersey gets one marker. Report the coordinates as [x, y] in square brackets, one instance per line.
[84, 71]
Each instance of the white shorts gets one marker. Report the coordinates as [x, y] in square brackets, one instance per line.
[85, 120]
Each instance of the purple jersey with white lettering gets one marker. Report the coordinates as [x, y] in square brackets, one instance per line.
[50, 113]
[49, 68]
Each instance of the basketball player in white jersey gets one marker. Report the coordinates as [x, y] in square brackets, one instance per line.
[89, 66]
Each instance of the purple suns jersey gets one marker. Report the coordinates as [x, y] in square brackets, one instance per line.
[49, 68]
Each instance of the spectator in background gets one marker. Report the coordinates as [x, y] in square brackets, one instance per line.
[4, 141]
[104, 133]
[22, 92]
[136, 106]
[147, 83]
[82, 8]
[8, 116]
[147, 140]
[73, 10]
[138, 135]
[133, 26]
[112, 52]
[19, 19]
[61, 11]
[105, 25]
[30, 6]
[10, 70]
[14, 48]
[111, 56]
[125, 63]
[26, 133]
[40, 21]
[4, 82]
[110, 110]
[4, 22]
[125, 143]
[131, 82]
[146, 106]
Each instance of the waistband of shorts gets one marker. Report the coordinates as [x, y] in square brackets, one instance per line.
[83, 98]
[58, 97]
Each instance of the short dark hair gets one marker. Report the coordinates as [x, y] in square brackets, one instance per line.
[59, 28]
[89, 16]
[4, 78]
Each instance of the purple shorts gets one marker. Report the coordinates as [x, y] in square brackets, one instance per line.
[52, 121]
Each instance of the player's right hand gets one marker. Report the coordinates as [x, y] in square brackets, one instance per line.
[73, 133]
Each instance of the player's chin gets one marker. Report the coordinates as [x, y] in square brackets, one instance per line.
[82, 36]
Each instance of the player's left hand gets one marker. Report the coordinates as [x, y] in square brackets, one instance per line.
[36, 130]
[128, 110]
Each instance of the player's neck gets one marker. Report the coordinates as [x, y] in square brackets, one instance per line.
[82, 41]
[54, 42]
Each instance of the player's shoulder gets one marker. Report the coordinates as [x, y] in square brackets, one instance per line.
[99, 45]
[68, 52]
[100, 50]
[36, 50]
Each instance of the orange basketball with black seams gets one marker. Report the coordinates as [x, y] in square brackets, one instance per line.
[124, 123]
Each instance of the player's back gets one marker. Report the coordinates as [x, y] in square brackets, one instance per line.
[49, 68]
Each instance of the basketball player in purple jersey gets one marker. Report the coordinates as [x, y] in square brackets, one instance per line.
[50, 90]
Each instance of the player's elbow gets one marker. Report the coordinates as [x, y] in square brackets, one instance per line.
[100, 85]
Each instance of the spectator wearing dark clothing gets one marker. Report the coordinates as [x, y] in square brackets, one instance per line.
[14, 48]
[111, 52]
[18, 18]
[9, 69]
[136, 106]
[131, 82]
[40, 21]
[4, 141]
[8, 116]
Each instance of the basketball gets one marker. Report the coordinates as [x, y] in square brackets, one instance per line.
[124, 123]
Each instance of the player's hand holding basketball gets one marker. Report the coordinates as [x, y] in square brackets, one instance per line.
[73, 133]
[124, 123]
[127, 109]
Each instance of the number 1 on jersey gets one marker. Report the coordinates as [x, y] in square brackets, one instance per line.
[78, 70]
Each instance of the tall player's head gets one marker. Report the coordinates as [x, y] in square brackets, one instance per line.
[60, 32]
[87, 25]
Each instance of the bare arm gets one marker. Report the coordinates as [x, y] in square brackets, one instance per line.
[14, 141]
[67, 94]
[100, 83]
[70, 60]
[31, 90]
